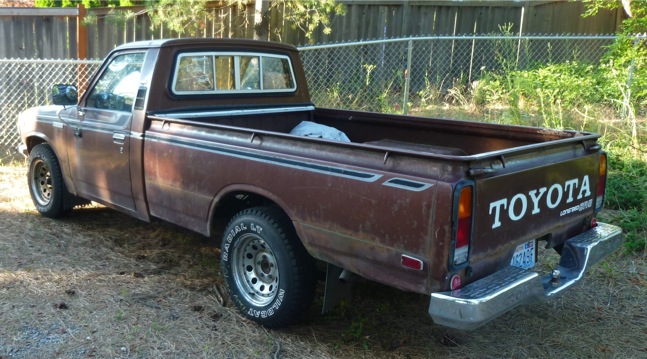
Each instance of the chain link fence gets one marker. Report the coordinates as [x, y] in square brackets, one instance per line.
[27, 83]
[391, 75]
[383, 75]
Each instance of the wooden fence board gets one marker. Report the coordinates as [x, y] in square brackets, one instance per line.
[41, 33]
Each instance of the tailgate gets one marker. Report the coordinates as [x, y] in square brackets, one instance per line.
[551, 202]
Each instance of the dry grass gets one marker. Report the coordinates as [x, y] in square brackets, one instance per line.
[101, 284]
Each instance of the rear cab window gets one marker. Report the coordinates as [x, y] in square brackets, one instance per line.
[202, 73]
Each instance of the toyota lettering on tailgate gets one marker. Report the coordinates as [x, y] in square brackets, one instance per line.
[517, 206]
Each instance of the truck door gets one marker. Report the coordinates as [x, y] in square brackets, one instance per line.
[98, 138]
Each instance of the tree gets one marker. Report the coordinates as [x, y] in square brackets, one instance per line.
[636, 21]
[306, 15]
[86, 3]
[181, 16]
[189, 15]
[16, 3]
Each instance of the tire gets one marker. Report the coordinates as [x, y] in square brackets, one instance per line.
[269, 274]
[45, 180]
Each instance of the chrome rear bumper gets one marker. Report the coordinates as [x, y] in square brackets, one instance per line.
[477, 303]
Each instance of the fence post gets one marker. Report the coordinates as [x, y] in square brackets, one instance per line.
[81, 34]
[81, 47]
[407, 77]
[630, 78]
[627, 110]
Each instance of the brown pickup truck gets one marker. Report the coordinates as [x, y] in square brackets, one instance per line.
[214, 134]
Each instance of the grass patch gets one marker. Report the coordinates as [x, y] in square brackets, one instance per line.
[105, 285]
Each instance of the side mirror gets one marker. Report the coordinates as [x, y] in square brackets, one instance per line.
[64, 94]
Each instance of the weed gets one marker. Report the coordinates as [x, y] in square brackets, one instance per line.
[430, 93]
[120, 315]
[634, 225]
[357, 328]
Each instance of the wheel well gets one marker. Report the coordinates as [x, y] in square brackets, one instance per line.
[237, 201]
[33, 142]
[233, 203]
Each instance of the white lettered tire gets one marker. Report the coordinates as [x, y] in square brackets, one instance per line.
[269, 274]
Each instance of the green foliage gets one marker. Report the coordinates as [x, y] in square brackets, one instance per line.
[54, 3]
[86, 3]
[362, 88]
[571, 84]
[181, 16]
[634, 224]
[626, 197]
[636, 11]
[306, 15]
[626, 185]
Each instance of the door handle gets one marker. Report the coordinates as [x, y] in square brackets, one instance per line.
[118, 138]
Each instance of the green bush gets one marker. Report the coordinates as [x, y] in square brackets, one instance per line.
[626, 195]
[626, 184]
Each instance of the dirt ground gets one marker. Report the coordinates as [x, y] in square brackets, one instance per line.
[99, 284]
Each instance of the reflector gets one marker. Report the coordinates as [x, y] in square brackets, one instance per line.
[411, 262]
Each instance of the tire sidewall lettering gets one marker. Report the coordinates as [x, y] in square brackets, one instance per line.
[273, 308]
[229, 243]
[242, 228]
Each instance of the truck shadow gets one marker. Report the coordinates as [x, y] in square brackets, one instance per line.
[381, 321]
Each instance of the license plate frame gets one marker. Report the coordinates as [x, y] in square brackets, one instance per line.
[525, 255]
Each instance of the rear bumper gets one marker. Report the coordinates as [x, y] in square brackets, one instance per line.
[477, 303]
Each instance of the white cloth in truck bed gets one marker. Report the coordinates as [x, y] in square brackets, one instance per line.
[312, 129]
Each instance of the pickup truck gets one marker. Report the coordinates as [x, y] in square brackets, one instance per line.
[220, 136]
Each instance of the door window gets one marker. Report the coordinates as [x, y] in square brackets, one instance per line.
[117, 87]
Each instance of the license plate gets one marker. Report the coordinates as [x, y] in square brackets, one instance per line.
[524, 256]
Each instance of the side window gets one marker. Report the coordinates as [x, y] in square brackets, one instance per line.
[118, 84]
[249, 73]
[230, 72]
[276, 73]
[195, 73]
[225, 73]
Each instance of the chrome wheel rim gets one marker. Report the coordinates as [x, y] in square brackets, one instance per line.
[255, 270]
[41, 184]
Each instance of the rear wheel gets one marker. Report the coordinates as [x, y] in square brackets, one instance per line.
[269, 274]
[45, 179]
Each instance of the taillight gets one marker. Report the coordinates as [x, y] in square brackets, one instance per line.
[602, 182]
[463, 226]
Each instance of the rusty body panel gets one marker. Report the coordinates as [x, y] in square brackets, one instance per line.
[364, 206]
[308, 189]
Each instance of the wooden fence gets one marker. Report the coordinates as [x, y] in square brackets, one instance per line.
[72, 33]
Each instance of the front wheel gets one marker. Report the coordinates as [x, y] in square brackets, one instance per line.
[269, 274]
[45, 179]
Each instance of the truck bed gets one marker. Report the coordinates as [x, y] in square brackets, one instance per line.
[428, 136]
[413, 159]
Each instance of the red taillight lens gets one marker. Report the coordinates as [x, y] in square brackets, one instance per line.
[463, 226]
[602, 182]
